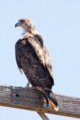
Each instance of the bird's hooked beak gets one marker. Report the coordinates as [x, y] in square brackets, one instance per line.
[18, 24]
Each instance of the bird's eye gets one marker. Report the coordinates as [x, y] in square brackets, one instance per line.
[22, 21]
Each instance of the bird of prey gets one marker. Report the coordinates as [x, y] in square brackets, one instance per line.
[33, 59]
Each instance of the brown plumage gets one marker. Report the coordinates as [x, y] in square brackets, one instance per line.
[33, 58]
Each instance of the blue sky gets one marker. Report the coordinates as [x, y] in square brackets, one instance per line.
[58, 21]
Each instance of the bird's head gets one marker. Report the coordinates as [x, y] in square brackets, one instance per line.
[26, 24]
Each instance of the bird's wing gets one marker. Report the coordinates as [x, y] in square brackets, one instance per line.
[36, 44]
[28, 59]
[41, 51]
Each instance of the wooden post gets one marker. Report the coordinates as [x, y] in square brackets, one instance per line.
[31, 99]
[43, 116]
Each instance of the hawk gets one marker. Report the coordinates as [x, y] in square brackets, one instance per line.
[33, 59]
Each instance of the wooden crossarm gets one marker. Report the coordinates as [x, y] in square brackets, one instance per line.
[31, 99]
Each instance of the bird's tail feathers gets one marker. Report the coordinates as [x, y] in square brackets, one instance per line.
[53, 101]
[50, 98]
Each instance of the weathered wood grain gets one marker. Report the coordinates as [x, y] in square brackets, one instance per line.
[30, 99]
